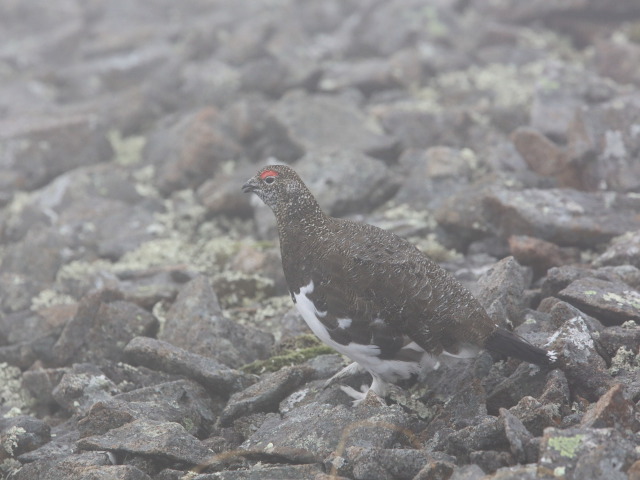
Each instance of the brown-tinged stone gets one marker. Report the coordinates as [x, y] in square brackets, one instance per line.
[190, 150]
[539, 254]
[612, 410]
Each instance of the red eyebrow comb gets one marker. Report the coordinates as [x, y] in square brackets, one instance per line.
[268, 173]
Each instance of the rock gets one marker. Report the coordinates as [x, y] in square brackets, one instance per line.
[436, 470]
[545, 158]
[82, 386]
[62, 444]
[544, 12]
[319, 429]
[612, 410]
[183, 401]
[96, 210]
[614, 59]
[587, 453]
[195, 322]
[433, 174]
[622, 250]
[267, 472]
[368, 75]
[220, 195]
[22, 434]
[321, 121]
[467, 472]
[614, 338]
[563, 217]
[362, 463]
[167, 440]
[518, 436]
[491, 460]
[47, 248]
[265, 395]
[79, 466]
[559, 93]
[536, 416]
[189, 149]
[209, 82]
[417, 127]
[605, 131]
[101, 328]
[462, 215]
[39, 148]
[487, 435]
[558, 278]
[501, 291]
[540, 255]
[584, 368]
[18, 329]
[326, 172]
[526, 380]
[613, 303]
[218, 378]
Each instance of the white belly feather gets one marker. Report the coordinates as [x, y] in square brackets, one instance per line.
[366, 355]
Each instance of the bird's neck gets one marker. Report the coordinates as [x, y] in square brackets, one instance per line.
[301, 221]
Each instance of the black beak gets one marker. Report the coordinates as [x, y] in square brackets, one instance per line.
[249, 186]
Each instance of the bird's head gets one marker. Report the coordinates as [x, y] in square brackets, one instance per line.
[281, 188]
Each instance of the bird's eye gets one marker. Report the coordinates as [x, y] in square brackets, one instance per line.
[270, 179]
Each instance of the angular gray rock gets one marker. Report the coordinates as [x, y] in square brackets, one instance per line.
[148, 437]
[564, 217]
[265, 395]
[320, 429]
[195, 322]
[613, 303]
[217, 378]
[101, 328]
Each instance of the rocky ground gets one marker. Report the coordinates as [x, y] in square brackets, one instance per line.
[145, 328]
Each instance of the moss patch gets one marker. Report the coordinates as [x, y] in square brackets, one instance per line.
[293, 352]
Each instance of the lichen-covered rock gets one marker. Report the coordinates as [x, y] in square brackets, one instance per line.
[22, 434]
[613, 303]
[167, 440]
[320, 429]
[587, 453]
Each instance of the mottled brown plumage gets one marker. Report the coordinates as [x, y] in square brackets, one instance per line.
[370, 288]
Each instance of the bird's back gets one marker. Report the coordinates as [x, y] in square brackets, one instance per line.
[377, 278]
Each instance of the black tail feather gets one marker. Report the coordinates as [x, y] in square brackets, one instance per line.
[504, 342]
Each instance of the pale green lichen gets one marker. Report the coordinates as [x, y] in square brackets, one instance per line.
[9, 466]
[11, 389]
[624, 359]
[126, 150]
[566, 446]
[11, 438]
[629, 298]
[48, 298]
